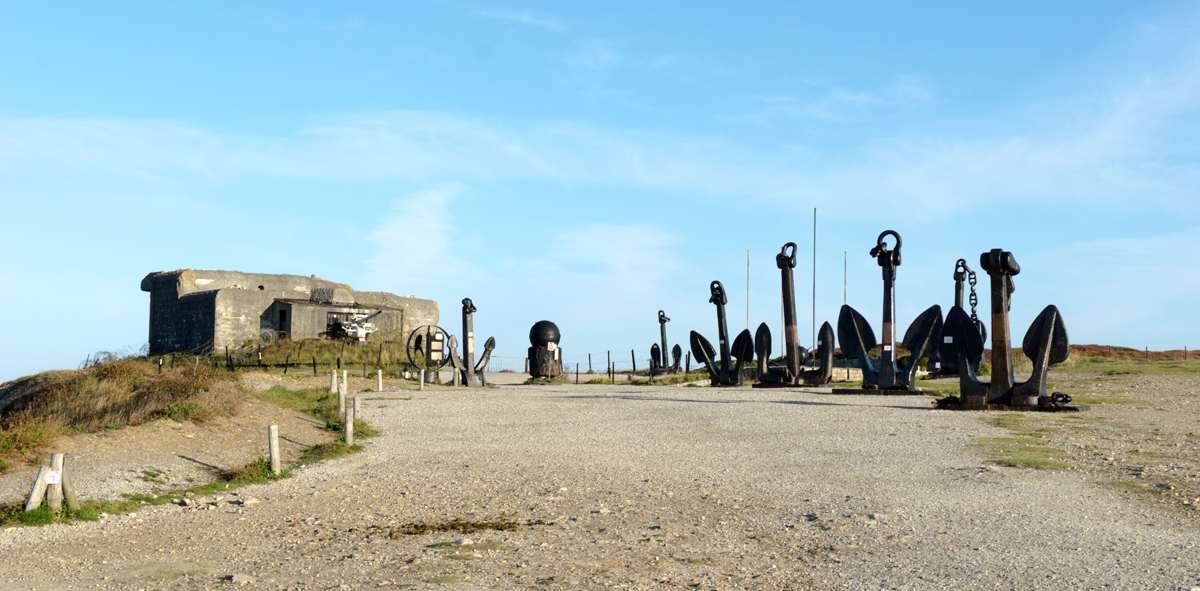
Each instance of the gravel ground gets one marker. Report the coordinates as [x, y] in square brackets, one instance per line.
[640, 488]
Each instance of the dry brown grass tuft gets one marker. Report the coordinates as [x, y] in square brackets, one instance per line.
[122, 392]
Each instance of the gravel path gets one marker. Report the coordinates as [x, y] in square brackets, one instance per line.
[639, 488]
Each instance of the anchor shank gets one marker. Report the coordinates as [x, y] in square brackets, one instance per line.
[662, 327]
[724, 364]
[468, 339]
[791, 332]
[1000, 266]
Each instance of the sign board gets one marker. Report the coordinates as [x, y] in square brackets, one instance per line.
[52, 477]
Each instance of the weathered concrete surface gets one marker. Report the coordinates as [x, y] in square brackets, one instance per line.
[210, 310]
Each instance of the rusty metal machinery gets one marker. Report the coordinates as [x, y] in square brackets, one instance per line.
[467, 372]
[658, 357]
[545, 356]
[1045, 343]
[795, 356]
[857, 338]
[723, 371]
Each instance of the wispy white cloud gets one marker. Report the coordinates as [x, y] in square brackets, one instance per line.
[1108, 288]
[525, 17]
[836, 103]
[594, 54]
[413, 242]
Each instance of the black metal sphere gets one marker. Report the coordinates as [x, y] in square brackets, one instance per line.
[543, 333]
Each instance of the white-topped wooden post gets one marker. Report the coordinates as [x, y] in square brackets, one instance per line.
[332, 381]
[273, 447]
[54, 493]
[350, 426]
[379, 380]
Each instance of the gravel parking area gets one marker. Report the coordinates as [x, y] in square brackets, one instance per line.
[641, 488]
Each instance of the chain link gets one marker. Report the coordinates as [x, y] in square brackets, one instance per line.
[974, 298]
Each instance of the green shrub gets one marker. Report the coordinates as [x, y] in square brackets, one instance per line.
[43, 515]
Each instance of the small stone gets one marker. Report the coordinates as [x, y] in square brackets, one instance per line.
[605, 511]
[464, 542]
[250, 501]
[241, 579]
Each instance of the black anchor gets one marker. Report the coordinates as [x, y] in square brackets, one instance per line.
[858, 339]
[470, 373]
[724, 371]
[795, 355]
[1045, 343]
[658, 360]
[946, 355]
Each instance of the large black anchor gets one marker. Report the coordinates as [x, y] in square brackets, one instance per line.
[920, 339]
[466, 370]
[723, 371]
[795, 355]
[946, 354]
[1045, 343]
[658, 357]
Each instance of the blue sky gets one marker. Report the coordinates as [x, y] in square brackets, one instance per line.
[593, 164]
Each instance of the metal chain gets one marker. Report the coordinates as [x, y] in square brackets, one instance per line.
[974, 298]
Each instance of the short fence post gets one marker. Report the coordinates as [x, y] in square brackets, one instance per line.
[341, 403]
[332, 381]
[39, 489]
[350, 427]
[589, 363]
[286, 361]
[633, 359]
[688, 368]
[69, 489]
[273, 447]
[314, 365]
[379, 380]
[355, 407]
[160, 365]
[54, 494]
[421, 373]
[576, 373]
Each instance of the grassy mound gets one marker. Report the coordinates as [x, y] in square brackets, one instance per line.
[128, 391]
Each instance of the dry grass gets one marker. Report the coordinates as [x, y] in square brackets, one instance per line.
[122, 392]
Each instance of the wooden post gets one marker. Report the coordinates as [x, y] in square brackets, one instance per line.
[341, 403]
[160, 365]
[355, 407]
[39, 489]
[286, 361]
[589, 363]
[350, 427]
[54, 494]
[576, 373]
[332, 381]
[379, 380]
[633, 359]
[421, 373]
[69, 489]
[314, 365]
[273, 447]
